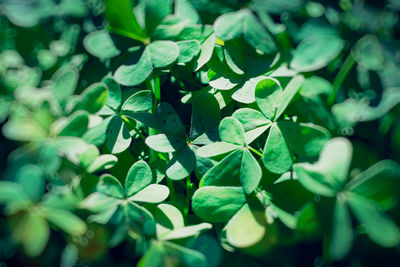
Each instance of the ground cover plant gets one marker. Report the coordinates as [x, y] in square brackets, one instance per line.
[199, 133]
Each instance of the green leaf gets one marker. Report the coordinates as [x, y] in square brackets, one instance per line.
[169, 121]
[122, 19]
[118, 137]
[368, 52]
[31, 178]
[64, 83]
[244, 24]
[164, 143]
[313, 181]
[140, 101]
[304, 139]
[253, 122]
[100, 44]
[277, 157]
[188, 50]
[250, 172]
[66, 221]
[380, 182]
[216, 149]
[97, 202]
[154, 193]
[246, 227]
[342, 232]
[23, 130]
[33, 232]
[205, 114]
[188, 231]
[379, 227]
[114, 93]
[245, 92]
[155, 12]
[136, 70]
[268, 96]
[93, 98]
[75, 125]
[181, 165]
[290, 91]
[217, 203]
[139, 176]
[163, 53]
[11, 192]
[110, 186]
[169, 217]
[103, 162]
[231, 131]
[184, 9]
[316, 52]
[207, 48]
[334, 162]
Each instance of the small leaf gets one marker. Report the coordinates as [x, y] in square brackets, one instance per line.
[100, 44]
[67, 221]
[205, 114]
[64, 83]
[231, 131]
[139, 176]
[217, 203]
[118, 137]
[164, 143]
[76, 125]
[268, 97]
[31, 178]
[188, 50]
[250, 172]
[216, 149]
[93, 98]
[140, 101]
[155, 12]
[114, 93]
[313, 181]
[342, 233]
[316, 52]
[290, 91]
[154, 193]
[163, 53]
[103, 162]
[181, 165]
[187, 231]
[110, 186]
[246, 227]
[207, 49]
[277, 157]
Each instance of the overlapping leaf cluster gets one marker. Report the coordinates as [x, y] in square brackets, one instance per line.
[199, 133]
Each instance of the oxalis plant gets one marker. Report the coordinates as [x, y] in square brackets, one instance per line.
[199, 133]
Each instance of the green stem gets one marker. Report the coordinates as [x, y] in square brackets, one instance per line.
[340, 77]
[255, 151]
[131, 126]
[189, 187]
[171, 188]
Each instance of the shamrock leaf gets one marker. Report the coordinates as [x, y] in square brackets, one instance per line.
[329, 177]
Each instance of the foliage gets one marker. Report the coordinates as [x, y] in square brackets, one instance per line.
[200, 133]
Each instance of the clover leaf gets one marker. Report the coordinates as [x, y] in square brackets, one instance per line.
[329, 177]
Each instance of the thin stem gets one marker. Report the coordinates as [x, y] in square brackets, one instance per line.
[171, 188]
[340, 77]
[189, 187]
[255, 151]
[131, 126]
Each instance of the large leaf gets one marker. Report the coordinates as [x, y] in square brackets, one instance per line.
[155, 12]
[93, 98]
[118, 137]
[182, 164]
[154, 193]
[268, 97]
[140, 101]
[231, 131]
[100, 44]
[217, 203]
[164, 143]
[110, 186]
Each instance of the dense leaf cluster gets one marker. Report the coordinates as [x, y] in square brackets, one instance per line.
[199, 133]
